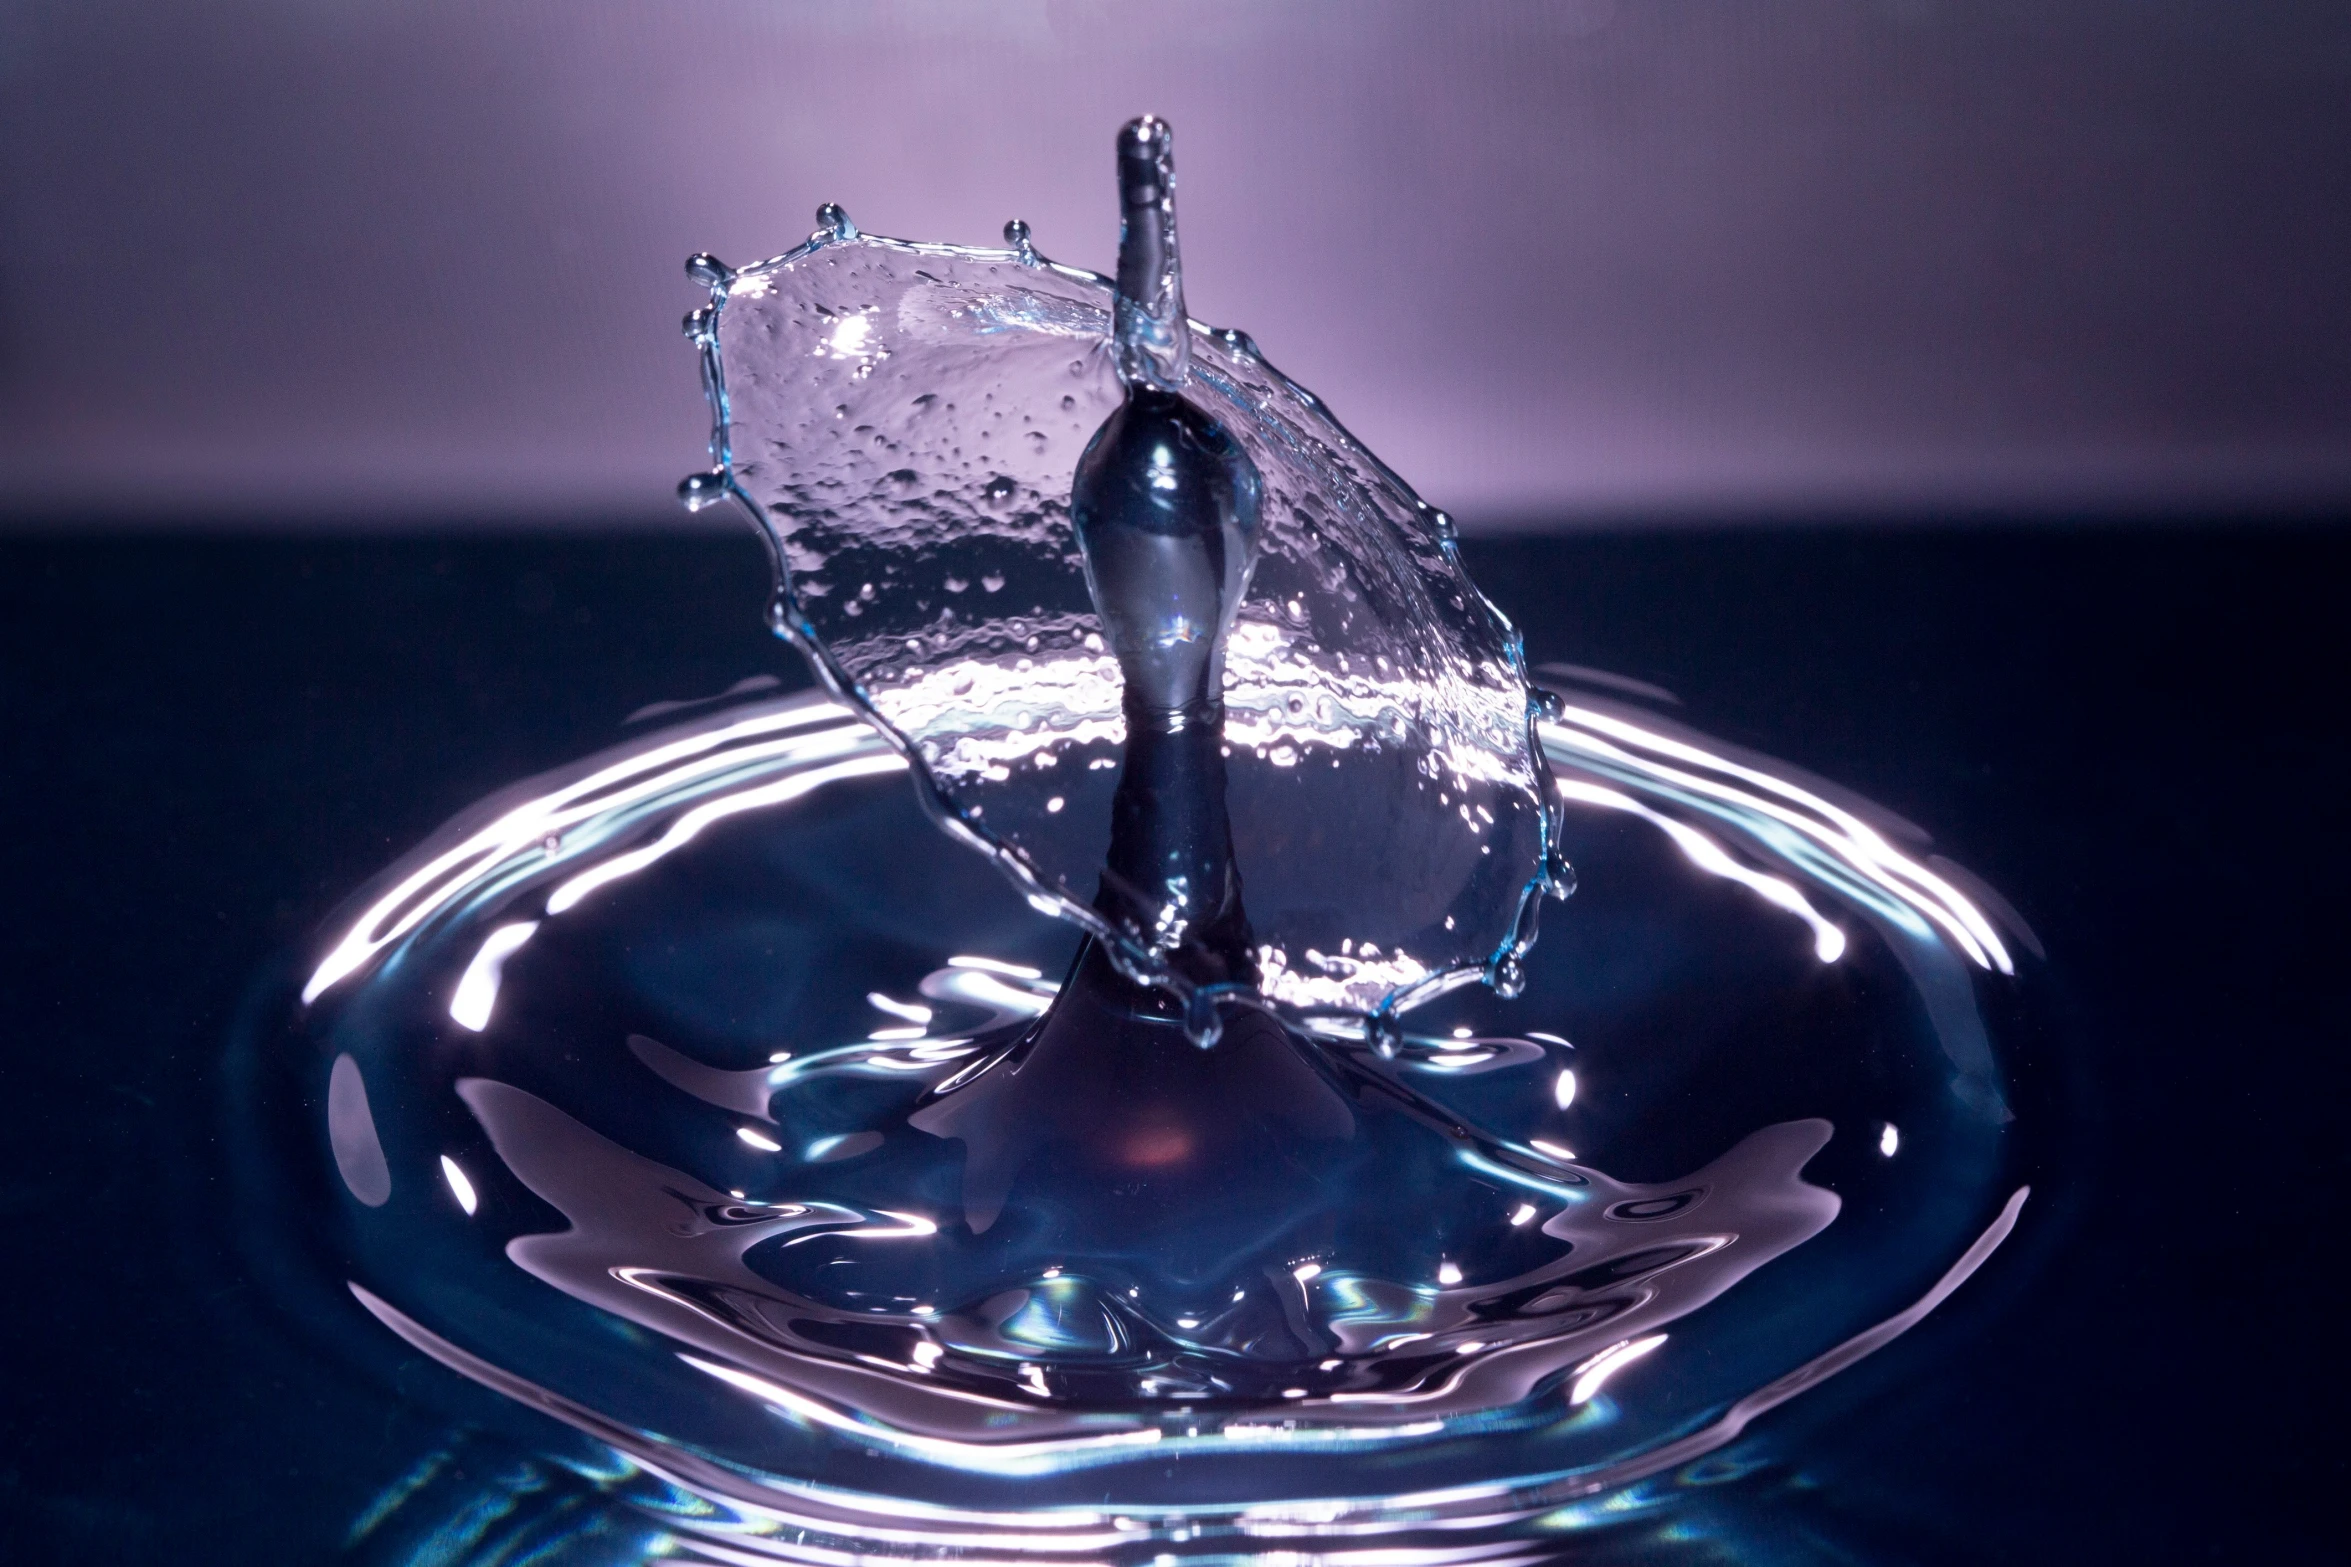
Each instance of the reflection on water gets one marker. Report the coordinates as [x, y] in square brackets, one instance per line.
[659, 1111]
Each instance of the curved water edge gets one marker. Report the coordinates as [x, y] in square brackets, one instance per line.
[769, 1518]
[612, 1202]
[900, 420]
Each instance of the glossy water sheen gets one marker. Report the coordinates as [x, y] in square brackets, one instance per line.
[903, 421]
[844, 1199]
[689, 1097]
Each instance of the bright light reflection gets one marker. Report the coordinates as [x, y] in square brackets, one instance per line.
[758, 1140]
[912, 1011]
[1008, 1458]
[526, 829]
[477, 989]
[984, 988]
[1828, 942]
[1563, 1091]
[1595, 1372]
[1889, 1140]
[908, 1224]
[1515, 1177]
[1752, 799]
[459, 1186]
[690, 826]
[848, 337]
[994, 966]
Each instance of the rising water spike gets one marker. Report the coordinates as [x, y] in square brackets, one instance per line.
[1165, 503]
[1154, 348]
[924, 432]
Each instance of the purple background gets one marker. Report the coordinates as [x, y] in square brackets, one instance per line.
[1579, 261]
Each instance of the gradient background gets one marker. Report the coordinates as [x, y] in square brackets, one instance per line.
[1772, 351]
[1588, 261]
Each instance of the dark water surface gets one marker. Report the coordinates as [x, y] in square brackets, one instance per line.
[2136, 736]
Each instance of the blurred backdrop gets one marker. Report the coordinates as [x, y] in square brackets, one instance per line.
[1559, 261]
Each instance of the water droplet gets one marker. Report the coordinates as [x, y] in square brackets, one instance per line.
[697, 490]
[1204, 1019]
[708, 270]
[832, 223]
[1559, 877]
[1510, 978]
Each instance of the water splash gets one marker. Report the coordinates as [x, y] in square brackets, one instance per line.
[903, 421]
[690, 1098]
[720, 1224]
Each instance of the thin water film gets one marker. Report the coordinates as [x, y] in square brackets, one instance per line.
[905, 420]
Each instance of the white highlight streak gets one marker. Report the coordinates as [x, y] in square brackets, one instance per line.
[912, 1011]
[1828, 942]
[689, 826]
[1848, 838]
[994, 966]
[1593, 1373]
[459, 1186]
[997, 1458]
[526, 828]
[477, 988]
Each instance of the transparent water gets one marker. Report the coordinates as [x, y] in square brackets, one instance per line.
[704, 1101]
[573, 1170]
[904, 419]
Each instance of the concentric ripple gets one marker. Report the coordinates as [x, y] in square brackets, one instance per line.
[681, 1097]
